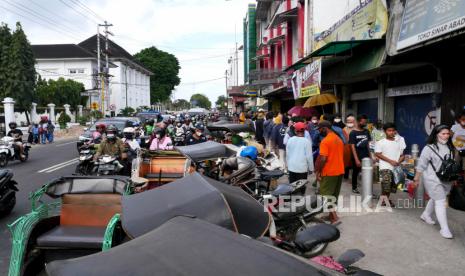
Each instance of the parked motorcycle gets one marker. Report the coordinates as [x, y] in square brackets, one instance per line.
[107, 165]
[9, 151]
[8, 191]
[294, 216]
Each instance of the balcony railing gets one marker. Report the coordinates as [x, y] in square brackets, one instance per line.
[265, 76]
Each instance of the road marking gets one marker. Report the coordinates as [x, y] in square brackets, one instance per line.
[64, 164]
[61, 167]
[64, 144]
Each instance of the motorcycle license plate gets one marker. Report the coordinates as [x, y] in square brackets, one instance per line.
[106, 167]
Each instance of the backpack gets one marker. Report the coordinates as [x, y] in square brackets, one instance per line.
[449, 169]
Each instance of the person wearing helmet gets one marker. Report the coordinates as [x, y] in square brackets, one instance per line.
[161, 140]
[17, 135]
[99, 132]
[299, 155]
[250, 152]
[111, 145]
[198, 136]
[149, 126]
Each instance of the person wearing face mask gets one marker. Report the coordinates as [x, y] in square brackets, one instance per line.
[438, 144]
[359, 139]
[314, 134]
[337, 121]
[161, 140]
[350, 125]
[197, 137]
[458, 137]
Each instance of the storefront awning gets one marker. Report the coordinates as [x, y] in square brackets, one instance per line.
[335, 48]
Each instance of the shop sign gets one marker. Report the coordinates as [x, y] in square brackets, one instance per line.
[306, 81]
[424, 88]
[369, 20]
[425, 20]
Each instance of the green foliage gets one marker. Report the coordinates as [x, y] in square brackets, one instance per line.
[82, 120]
[200, 100]
[127, 112]
[221, 102]
[60, 92]
[96, 114]
[165, 68]
[17, 73]
[181, 104]
[63, 120]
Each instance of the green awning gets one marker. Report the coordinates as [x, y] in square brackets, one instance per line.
[334, 48]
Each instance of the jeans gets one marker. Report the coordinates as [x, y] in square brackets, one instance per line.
[355, 172]
[43, 138]
[50, 137]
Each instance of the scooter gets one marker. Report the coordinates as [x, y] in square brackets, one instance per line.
[107, 165]
[86, 156]
[295, 220]
[10, 152]
[8, 191]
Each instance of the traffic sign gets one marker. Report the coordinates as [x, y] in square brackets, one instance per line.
[94, 105]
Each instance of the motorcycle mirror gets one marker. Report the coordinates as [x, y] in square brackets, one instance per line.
[350, 257]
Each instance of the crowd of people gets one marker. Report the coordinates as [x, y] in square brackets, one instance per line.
[333, 148]
[41, 132]
[329, 146]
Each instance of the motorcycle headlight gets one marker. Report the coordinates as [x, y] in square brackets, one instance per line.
[106, 159]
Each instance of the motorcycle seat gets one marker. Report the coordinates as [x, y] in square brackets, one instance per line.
[282, 189]
[75, 237]
[322, 233]
[269, 175]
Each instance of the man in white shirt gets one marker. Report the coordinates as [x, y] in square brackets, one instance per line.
[390, 152]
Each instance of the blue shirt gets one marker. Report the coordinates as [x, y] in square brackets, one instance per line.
[299, 155]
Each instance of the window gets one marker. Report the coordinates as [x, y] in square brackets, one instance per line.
[76, 71]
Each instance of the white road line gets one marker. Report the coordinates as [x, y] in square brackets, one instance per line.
[62, 166]
[58, 165]
[64, 144]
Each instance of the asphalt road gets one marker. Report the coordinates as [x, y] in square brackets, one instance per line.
[45, 163]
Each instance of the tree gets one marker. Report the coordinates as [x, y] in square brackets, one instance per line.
[220, 103]
[200, 100]
[5, 42]
[127, 112]
[21, 77]
[60, 92]
[181, 104]
[165, 68]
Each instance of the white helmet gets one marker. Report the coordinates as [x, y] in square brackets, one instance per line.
[129, 130]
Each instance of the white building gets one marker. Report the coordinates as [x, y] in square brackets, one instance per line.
[129, 81]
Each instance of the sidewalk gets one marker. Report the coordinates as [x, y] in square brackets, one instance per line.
[399, 243]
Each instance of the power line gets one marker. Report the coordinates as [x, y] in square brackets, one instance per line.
[202, 81]
[35, 21]
[35, 14]
[82, 5]
[78, 11]
[70, 23]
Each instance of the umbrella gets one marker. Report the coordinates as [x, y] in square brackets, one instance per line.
[303, 111]
[321, 99]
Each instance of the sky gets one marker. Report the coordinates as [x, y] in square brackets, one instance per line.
[201, 33]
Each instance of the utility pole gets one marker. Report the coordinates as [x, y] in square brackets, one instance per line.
[99, 76]
[227, 99]
[104, 77]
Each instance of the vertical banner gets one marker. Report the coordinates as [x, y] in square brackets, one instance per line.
[307, 80]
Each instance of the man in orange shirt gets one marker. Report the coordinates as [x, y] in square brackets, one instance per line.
[331, 165]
